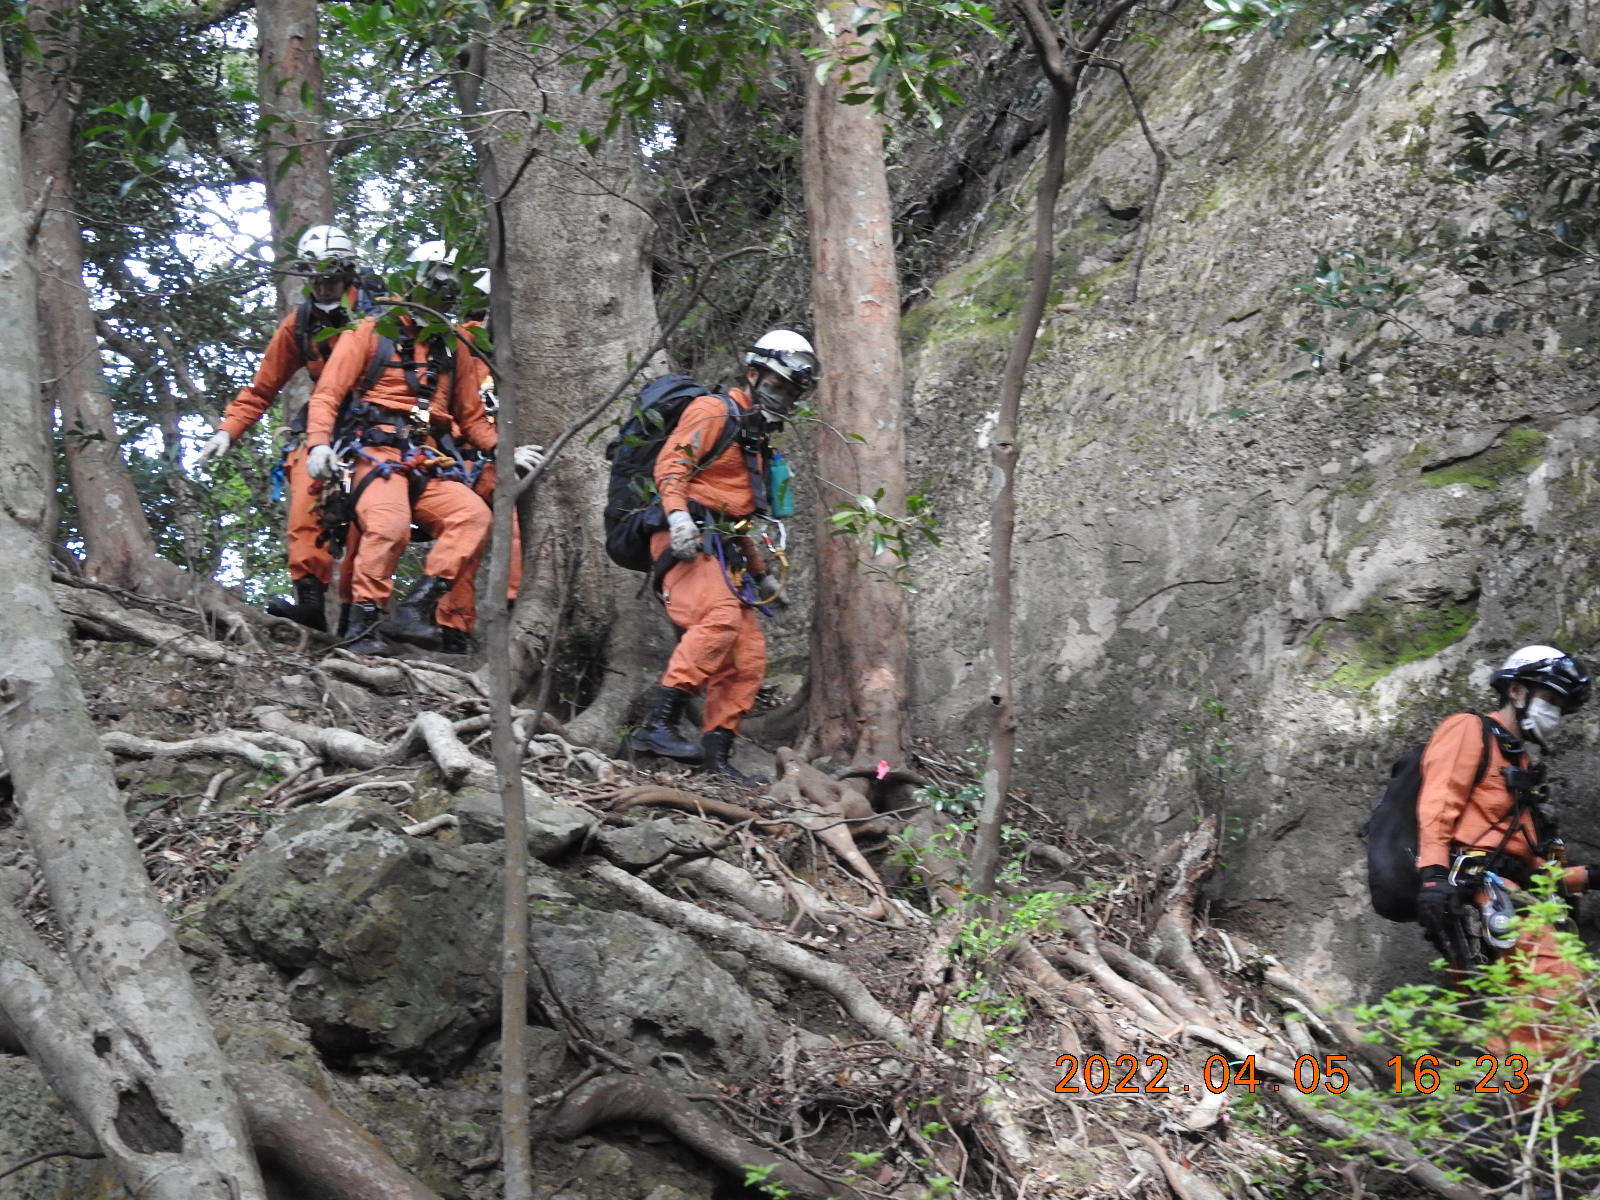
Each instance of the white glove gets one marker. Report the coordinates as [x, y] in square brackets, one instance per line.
[221, 441]
[528, 459]
[685, 535]
[322, 463]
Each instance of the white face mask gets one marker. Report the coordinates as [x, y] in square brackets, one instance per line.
[1539, 720]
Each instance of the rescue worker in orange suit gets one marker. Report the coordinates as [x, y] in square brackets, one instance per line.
[721, 653]
[1478, 846]
[328, 256]
[386, 401]
[458, 611]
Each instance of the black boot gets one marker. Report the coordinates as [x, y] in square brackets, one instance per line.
[306, 607]
[659, 733]
[453, 641]
[344, 618]
[413, 621]
[366, 619]
[717, 743]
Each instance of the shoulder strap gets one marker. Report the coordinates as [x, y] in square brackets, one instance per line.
[731, 427]
[302, 330]
[1483, 763]
[1491, 729]
[383, 357]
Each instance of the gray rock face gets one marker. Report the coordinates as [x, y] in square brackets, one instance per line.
[391, 939]
[647, 988]
[554, 828]
[1239, 593]
[392, 946]
[33, 1121]
[648, 842]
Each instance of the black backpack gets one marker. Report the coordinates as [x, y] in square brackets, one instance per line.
[1391, 834]
[633, 509]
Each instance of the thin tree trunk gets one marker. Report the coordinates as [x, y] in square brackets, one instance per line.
[583, 310]
[1064, 80]
[515, 1114]
[153, 1071]
[859, 637]
[111, 521]
[293, 134]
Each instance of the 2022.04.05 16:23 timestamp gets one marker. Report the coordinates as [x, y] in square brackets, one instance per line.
[1099, 1074]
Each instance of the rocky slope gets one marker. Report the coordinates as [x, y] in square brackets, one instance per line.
[712, 992]
[1239, 594]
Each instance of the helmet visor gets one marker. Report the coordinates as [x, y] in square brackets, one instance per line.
[800, 366]
[316, 267]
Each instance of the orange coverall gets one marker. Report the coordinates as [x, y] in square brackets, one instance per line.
[459, 608]
[1452, 814]
[457, 518]
[278, 365]
[722, 650]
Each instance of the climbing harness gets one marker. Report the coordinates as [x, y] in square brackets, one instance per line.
[363, 424]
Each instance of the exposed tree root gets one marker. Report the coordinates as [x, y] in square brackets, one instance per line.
[703, 806]
[844, 987]
[98, 613]
[232, 744]
[429, 730]
[634, 1098]
[327, 1155]
[1174, 932]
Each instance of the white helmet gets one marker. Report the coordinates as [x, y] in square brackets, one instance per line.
[482, 279]
[433, 252]
[788, 354]
[1548, 667]
[431, 268]
[324, 246]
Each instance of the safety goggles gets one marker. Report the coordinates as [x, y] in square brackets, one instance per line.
[323, 268]
[802, 367]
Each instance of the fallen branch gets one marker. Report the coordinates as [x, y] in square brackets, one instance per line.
[843, 986]
[635, 1098]
[1185, 1184]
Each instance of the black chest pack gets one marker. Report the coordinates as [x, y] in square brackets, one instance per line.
[1391, 831]
[633, 508]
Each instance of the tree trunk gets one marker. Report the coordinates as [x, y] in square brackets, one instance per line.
[155, 1074]
[859, 638]
[111, 520]
[294, 141]
[1064, 78]
[515, 1108]
[583, 315]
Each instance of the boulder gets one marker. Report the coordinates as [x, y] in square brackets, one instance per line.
[391, 944]
[554, 828]
[392, 940]
[643, 988]
[647, 842]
